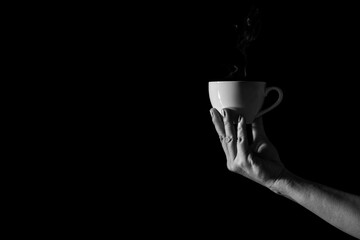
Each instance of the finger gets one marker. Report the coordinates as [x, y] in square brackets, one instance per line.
[219, 127]
[261, 143]
[242, 141]
[230, 133]
[258, 130]
[218, 122]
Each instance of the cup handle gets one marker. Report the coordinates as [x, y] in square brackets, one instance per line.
[278, 101]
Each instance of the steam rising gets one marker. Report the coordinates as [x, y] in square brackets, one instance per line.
[246, 35]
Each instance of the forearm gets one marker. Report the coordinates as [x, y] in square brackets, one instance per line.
[338, 208]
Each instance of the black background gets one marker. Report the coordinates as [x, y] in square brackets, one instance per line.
[310, 51]
[164, 164]
[128, 139]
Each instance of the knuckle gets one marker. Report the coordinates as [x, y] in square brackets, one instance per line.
[229, 139]
[230, 167]
[239, 164]
[227, 122]
[226, 139]
[235, 168]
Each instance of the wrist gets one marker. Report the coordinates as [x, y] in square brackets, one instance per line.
[283, 183]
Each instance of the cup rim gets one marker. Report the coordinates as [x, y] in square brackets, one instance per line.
[217, 81]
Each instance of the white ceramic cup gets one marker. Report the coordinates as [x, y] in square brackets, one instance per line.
[243, 97]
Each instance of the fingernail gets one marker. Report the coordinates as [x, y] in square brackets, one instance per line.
[239, 119]
[223, 112]
[211, 112]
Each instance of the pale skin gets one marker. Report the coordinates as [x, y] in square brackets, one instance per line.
[260, 162]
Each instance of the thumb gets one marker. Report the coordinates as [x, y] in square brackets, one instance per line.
[258, 130]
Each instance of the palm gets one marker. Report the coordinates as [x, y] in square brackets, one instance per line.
[260, 161]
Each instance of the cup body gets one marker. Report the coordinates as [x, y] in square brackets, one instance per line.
[243, 97]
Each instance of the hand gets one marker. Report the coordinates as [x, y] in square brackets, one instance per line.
[259, 161]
